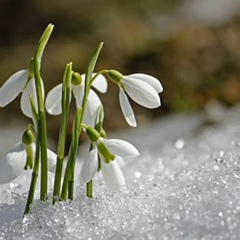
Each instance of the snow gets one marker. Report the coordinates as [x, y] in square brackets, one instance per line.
[184, 185]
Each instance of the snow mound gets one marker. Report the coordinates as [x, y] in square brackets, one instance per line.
[185, 185]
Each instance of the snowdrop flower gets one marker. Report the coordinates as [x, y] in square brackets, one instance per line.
[107, 150]
[54, 97]
[142, 88]
[21, 157]
[21, 81]
[13, 163]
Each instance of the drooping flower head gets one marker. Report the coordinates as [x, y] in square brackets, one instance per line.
[54, 97]
[142, 88]
[21, 157]
[107, 151]
[21, 81]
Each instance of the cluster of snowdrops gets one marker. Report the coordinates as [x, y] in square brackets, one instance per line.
[32, 152]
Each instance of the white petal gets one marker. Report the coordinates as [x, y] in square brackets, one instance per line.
[79, 164]
[154, 82]
[12, 164]
[142, 93]
[12, 87]
[120, 147]
[25, 104]
[127, 109]
[92, 108]
[120, 161]
[112, 175]
[52, 159]
[100, 83]
[78, 92]
[90, 166]
[54, 100]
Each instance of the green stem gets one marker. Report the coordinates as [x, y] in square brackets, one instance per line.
[68, 183]
[90, 192]
[66, 97]
[69, 173]
[97, 74]
[33, 180]
[89, 185]
[35, 171]
[77, 132]
[42, 131]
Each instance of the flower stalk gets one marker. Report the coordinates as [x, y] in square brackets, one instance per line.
[42, 126]
[68, 183]
[33, 183]
[66, 97]
[35, 171]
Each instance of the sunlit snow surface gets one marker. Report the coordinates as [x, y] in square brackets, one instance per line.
[185, 185]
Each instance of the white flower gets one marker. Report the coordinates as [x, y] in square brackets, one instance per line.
[90, 166]
[17, 83]
[25, 104]
[119, 147]
[142, 88]
[112, 173]
[100, 83]
[93, 104]
[54, 98]
[12, 163]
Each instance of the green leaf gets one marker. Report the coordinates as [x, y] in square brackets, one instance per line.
[91, 65]
[43, 42]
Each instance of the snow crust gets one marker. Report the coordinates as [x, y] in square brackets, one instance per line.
[184, 185]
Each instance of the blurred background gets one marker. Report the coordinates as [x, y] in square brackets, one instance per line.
[192, 46]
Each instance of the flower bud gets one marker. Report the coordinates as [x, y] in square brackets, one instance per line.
[28, 137]
[93, 134]
[76, 78]
[115, 76]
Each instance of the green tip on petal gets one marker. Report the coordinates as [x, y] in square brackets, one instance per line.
[108, 156]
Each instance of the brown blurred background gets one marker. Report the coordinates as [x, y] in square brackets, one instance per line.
[192, 46]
